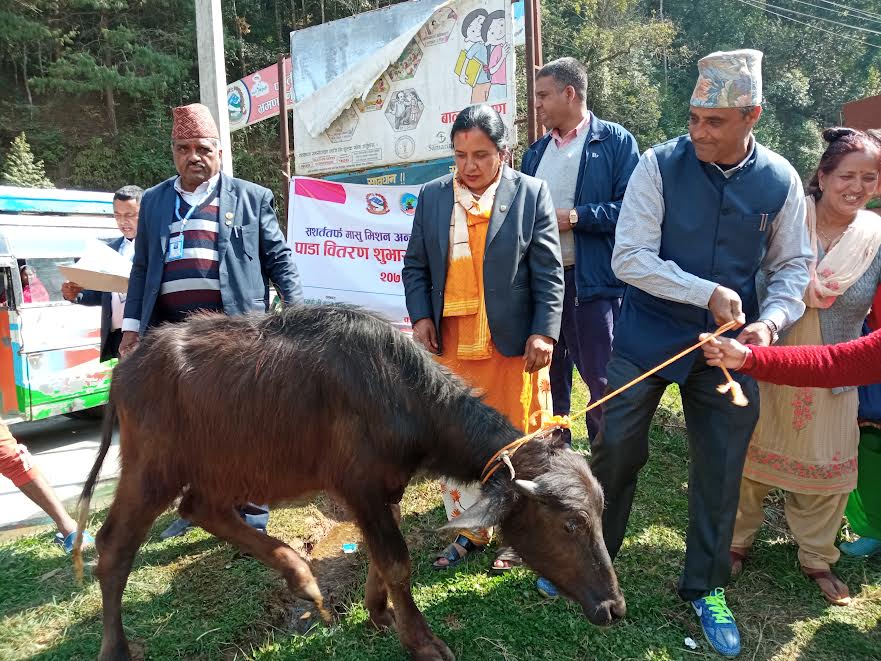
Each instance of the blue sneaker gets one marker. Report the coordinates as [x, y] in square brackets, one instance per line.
[547, 589]
[67, 542]
[864, 547]
[717, 621]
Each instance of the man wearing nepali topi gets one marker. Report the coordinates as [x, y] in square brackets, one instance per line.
[703, 215]
[205, 242]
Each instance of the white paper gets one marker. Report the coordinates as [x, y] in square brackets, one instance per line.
[101, 258]
[101, 268]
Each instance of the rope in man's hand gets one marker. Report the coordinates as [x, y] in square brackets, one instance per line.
[561, 422]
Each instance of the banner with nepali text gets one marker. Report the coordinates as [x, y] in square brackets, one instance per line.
[349, 242]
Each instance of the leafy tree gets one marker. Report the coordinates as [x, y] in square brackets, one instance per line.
[21, 169]
[111, 48]
[621, 47]
[808, 72]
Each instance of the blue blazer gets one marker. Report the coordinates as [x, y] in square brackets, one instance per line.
[105, 300]
[522, 267]
[609, 157]
[251, 248]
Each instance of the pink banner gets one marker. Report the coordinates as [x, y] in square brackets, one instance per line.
[255, 97]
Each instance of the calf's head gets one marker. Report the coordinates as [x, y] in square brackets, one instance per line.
[554, 521]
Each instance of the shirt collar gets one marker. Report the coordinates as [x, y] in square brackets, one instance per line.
[202, 188]
[574, 133]
[749, 153]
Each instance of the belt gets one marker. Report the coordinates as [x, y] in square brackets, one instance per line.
[569, 268]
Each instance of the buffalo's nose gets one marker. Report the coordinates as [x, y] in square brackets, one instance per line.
[618, 608]
[606, 612]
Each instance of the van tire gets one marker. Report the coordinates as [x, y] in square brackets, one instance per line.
[94, 413]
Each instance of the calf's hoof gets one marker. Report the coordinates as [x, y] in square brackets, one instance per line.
[433, 650]
[383, 620]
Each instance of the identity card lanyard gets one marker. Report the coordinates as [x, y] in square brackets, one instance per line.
[176, 245]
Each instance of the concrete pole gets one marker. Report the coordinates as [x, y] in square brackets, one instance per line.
[212, 71]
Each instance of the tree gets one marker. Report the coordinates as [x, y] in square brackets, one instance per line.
[622, 47]
[21, 169]
[119, 48]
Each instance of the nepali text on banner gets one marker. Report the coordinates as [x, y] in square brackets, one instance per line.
[349, 242]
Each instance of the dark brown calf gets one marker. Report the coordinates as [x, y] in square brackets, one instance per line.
[266, 408]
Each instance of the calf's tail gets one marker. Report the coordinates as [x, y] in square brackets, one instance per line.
[89, 486]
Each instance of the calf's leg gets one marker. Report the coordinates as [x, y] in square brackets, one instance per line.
[135, 507]
[225, 523]
[382, 616]
[389, 554]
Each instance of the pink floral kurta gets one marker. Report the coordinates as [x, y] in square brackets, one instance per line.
[806, 440]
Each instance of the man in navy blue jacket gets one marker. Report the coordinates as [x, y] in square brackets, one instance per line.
[586, 162]
[126, 203]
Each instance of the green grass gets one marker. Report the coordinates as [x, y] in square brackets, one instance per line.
[196, 598]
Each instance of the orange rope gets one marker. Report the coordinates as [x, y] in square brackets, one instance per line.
[555, 422]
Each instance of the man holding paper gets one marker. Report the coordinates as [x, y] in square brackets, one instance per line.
[126, 204]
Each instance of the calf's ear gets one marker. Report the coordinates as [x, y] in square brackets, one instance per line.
[489, 511]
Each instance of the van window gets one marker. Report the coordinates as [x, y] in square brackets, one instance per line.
[41, 280]
[7, 300]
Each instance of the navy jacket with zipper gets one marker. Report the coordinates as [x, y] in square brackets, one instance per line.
[609, 157]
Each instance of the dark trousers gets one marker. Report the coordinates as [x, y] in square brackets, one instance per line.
[111, 347]
[718, 436]
[586, 343]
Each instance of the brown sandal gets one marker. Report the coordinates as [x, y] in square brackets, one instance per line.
[833, 588]
[738, 557]
[456, 552]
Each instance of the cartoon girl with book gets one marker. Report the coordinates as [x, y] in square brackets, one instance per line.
[472, 64]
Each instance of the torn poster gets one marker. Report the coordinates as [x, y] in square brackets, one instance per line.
[384, 87]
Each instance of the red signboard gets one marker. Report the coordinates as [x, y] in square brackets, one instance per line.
[255, 97]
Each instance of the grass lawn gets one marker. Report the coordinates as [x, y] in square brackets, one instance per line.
[196, 598]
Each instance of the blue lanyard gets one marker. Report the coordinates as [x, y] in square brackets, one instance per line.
[185, 219]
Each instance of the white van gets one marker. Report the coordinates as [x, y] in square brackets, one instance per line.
[49, 348]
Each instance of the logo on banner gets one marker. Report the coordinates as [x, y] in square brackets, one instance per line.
[377, 204]
[238, 102]
[408, 204]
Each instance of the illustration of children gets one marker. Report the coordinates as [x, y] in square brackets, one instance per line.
[494, 33]
[413, 109]
[400, 109]
[474, 64]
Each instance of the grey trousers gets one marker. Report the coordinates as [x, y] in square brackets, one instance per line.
[718, 436]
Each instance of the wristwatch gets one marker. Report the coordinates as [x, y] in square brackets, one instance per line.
[573, 217]
[773, 328]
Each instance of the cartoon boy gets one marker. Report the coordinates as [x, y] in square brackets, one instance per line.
[472, 30]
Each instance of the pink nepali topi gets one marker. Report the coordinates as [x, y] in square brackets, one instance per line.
[192, 122]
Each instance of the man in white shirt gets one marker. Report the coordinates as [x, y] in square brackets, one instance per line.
[126, 204]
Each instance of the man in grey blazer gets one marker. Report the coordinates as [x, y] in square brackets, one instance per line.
[206, 242]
